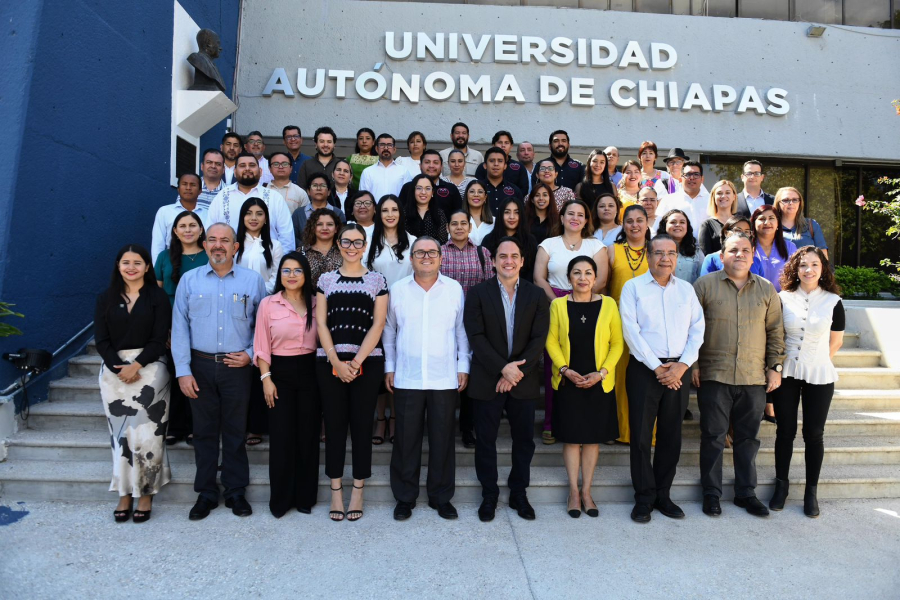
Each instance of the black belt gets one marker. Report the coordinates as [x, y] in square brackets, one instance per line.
[669, 360]
[220, 357]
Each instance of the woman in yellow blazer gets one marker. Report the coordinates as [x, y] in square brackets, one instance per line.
[584, 343]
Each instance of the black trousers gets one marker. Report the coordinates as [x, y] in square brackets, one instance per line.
[180, 421]
[649, 403]
[349, 405]
[520, 414]
[745, 404]
[466, 417]
[816, 402]
[294, 434]
[406, 459]
[220, 409]
[257, 411]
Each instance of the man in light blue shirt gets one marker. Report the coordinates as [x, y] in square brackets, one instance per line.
[663, 325]
[212, 343]
[188, 194]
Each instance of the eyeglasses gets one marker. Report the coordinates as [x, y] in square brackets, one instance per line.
[693, 175]
[384, 145]
[420, 254]
[662, 253]
[318, 186]
[790, 200]
[358, 244]
[280, 165]
[546, 169]
[294, 272]
[254, 142]
[292, 137]
[363, 203]
[753, 174]
[419, 188]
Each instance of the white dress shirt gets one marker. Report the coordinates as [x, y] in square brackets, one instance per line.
[661, 322]
[386, 261]
[407, 162]
[292, 193]
[381, 180]
[425, 343]
[226, 208]
[254, 258]
[266, 175]
[162, 225]
[477, 232]
[695, 208]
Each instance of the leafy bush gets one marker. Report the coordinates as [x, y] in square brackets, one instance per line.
[6, 329]
[863, 281]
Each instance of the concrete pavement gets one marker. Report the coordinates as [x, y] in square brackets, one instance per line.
[75, 550]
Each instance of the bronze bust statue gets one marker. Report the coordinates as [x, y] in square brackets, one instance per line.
[206, 74]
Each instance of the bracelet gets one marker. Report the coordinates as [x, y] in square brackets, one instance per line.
[264, 375]
[563, 369]
[329, 350]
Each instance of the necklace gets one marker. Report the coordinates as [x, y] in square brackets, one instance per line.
[192, 257]
[634, 257]
[571, 246]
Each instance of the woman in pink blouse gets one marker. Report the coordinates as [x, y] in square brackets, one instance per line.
[284, 349]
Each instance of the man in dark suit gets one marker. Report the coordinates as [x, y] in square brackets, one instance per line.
[506, 319]
[752, 196]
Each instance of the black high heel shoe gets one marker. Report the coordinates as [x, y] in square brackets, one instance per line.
[336, 515]
[141, 516]
[123, 515]
[355, 515]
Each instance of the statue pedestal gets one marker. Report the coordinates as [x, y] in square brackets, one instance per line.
[197, 112]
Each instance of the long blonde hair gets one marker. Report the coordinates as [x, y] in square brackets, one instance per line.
[800, 222]
[711, 207]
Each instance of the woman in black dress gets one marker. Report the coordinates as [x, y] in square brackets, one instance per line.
[131, 327]
[585, 343]
[510, 221]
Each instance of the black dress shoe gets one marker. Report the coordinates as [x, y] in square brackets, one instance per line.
[641, 513]
[521, 505]
[688, 415]
[753, 506]
[201, 509]
[403, 510]
[487, 509]
[468, 439]
[445, 510]
[668, 508]
[306, 510]
[811, 501]
[239, 506]
[771, 420]
[782, 486]
[711, 505]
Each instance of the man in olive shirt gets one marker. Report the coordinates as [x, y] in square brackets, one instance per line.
[740, 361]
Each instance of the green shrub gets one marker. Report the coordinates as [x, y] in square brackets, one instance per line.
[6, 329]
[863, 281]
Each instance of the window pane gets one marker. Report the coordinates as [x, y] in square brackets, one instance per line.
[719, 8]
[819, 11]
[875, 243]
[621, 5]
[868, 13]
[848, 217]
[682, 7]
[654, 6]
[779, 10]
[823, 206]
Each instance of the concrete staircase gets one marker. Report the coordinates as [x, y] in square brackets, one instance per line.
[64, 451]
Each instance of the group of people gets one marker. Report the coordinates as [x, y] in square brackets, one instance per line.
[305, 297]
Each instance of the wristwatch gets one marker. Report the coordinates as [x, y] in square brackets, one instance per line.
[562, 370]
[777, 368]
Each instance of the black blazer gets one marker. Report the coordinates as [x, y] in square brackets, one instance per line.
[744, 210]
[485, 323]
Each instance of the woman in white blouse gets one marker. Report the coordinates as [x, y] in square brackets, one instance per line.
[813, 331]
[551, 274]
[388, 254]
[476, 206]
[257, 249]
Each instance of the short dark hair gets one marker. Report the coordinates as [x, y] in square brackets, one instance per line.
[318, 175]
[511, 239]
[433, 153]
[752, 161]
[696, 165]
[322, 130]
[459, 124]
[385, 136]
[288, 154]
[211, 151]
[412, 135]
[500, 134]
[189, 174]
[578, 259]
[562, 131]
[232, 134]
[245, 154]
[288, 128]
[737, 233]
[662, 237]
[494, 150]
[254, 132]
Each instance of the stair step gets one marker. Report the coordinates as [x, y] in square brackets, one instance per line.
[78, 481]
[869, 378]
[93, 446]
[857, 358]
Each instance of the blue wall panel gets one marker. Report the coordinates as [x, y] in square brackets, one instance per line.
[93, 152]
